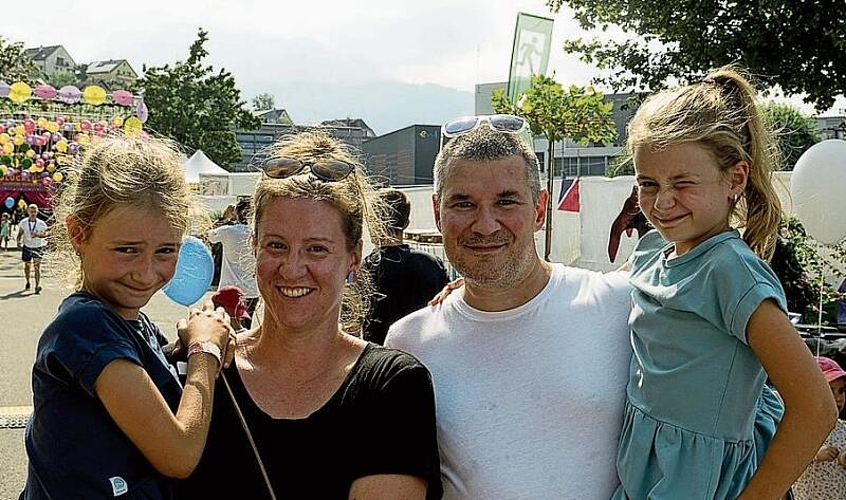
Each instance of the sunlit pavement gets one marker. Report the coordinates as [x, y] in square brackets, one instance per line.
[22, 316]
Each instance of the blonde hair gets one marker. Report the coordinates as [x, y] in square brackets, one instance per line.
[721, 114]
[353, 197]
[120, 171]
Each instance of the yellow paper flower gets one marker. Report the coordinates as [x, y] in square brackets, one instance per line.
[132, 126]
[57, 176]
[94, 95]
[19, 92]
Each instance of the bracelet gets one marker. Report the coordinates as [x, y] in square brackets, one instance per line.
[207, 347]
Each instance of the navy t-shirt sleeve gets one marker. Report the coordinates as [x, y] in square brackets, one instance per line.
[87, 339]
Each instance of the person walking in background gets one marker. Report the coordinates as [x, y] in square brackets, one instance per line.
[405, 278]
[31, 240]
[825, 477]
[330, 416]
[110, 417]
[709, 316]
[5, 230]
[528, 358]
[238, 265]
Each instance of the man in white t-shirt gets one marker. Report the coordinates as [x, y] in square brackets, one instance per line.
[529, 359]
[31, 239]
[238, 264]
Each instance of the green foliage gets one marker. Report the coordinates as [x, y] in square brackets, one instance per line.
[796, 45]
[795, 131]
[577, 113]
[814, 260]
[196, 106]
[622, 165]
[15, 66]
[263, 102]
[59, 80]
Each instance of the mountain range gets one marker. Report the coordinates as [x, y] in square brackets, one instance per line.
[385, 106]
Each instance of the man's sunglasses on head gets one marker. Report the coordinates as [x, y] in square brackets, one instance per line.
[508, 124]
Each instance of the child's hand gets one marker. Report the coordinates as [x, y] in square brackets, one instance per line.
[827, 454]
[206, 324]
[841, 458]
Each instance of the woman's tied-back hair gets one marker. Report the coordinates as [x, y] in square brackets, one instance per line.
[353, 197]
[121, 171]
[721, 114]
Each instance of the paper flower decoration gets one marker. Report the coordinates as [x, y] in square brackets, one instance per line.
[69, 94]
[132, 126]
[94, 95]
[44, 92]
[123, 98]
[4, 89]
[19, 92]
[141, 111]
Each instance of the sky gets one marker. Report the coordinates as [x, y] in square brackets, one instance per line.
[270, 44]
[452, 43]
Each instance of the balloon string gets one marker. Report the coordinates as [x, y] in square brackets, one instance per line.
[820, 312]
[249, 437]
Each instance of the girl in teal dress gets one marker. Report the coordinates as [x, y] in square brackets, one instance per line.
[709, 318]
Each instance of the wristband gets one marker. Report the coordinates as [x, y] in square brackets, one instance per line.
[207, 347]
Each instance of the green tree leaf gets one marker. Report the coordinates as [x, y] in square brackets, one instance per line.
[196, 105]
[15, 66]
[795, 132]
[798, 46]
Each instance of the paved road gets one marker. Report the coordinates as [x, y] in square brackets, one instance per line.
[22, 316]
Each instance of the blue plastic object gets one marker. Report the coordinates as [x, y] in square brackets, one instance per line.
[194, 272]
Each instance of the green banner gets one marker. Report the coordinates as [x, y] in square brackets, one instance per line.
[530, 54]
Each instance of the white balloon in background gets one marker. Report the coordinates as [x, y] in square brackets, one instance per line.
[818, 189]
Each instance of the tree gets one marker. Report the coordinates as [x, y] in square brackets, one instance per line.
[798, 46]
[15, 65]
[263, 102]
[801, 268]
[795, 132]
[577, 113]
[196, 106]
[59, 80]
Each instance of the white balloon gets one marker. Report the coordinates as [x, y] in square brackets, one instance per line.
[818, 189]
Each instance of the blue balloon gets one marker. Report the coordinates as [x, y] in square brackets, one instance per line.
[194, 272]
[10, 202]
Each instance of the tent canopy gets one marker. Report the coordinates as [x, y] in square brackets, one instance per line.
[200, 163]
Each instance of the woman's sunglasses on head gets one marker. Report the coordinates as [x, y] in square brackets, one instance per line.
[328, 170]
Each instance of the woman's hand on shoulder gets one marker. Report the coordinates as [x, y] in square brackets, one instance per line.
[448, 289]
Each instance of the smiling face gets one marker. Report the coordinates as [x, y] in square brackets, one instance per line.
[127, 256]
[683, 193]
[302, 261]
[488, 219]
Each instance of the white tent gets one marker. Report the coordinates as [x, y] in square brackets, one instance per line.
[200, 163]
